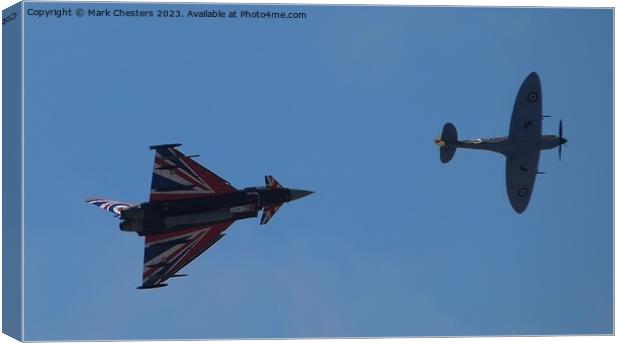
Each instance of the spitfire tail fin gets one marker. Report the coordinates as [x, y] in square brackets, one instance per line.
[447, 142]
[115, 207]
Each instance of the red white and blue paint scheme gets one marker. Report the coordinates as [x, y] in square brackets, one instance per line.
[188, 211]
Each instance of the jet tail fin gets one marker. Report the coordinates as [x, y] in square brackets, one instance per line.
[115, 207]
[447, 142]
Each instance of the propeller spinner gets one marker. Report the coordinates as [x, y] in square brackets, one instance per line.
[562, 140]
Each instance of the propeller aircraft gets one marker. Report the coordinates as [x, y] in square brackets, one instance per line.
[521, 148]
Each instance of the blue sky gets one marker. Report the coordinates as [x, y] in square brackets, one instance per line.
[346, 103]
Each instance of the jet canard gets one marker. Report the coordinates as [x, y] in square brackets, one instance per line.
[189, 209]
[521, 148]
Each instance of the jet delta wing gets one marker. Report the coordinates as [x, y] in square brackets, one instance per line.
[165, 254]
[176, 176]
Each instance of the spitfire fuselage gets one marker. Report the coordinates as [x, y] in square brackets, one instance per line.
[172, 215]
[505, 146]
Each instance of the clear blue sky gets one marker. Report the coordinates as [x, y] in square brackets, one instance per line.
[346, 103]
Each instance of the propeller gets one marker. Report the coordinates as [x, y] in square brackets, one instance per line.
[562, 140]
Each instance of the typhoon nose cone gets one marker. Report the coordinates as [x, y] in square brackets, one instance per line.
[299, 193]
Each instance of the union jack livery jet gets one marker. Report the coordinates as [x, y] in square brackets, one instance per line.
[189, 209]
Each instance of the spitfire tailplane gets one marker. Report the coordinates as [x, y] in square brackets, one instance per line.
[447, 142]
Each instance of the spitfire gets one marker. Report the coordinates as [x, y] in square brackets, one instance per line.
[521, 148]
[188, 211]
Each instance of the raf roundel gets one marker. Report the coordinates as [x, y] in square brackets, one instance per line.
[118, 208]
[115, 207]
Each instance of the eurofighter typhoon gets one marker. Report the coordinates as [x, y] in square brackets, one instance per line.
[189, 209]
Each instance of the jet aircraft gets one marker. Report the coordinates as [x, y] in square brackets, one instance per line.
[521, 148]
[188, 211]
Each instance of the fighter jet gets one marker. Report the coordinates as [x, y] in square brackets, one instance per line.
[188, 211]
[521, 148]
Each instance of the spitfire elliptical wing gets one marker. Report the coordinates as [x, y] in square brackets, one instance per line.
[520, 177]
[526, 121]
[165, 254]
[525, 127]
[176, 176]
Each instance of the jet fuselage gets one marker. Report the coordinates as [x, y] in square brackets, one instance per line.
[172, 215]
